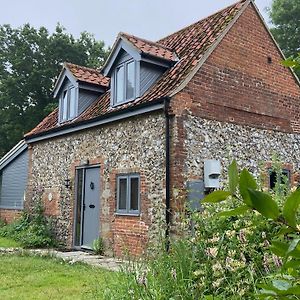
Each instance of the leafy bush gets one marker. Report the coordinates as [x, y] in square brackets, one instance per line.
[31, 230]
[241, 248]
[281, 213]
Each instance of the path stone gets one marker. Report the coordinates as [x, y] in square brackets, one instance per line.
[108, 263]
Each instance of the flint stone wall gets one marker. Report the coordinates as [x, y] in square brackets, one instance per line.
[133, 145]
[252, 148]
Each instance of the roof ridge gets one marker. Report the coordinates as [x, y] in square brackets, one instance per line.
[145, 40]
[201, 20]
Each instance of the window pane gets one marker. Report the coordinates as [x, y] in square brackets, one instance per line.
[134, 194]
[65, 106]
[72, 103]
[122, 193]
[130, 81]
[120, 84]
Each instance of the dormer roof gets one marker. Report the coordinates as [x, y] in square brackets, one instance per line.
[87, 75]
[79, 74]
[139, 49]
[185, 50]
[146, 47]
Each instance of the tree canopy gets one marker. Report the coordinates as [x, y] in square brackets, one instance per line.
[30, 60]
[285, 17]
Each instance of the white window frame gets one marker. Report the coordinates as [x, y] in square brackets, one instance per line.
[68, 90]
[125, 67]
[128, 178]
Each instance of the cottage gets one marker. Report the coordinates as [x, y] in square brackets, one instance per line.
[116, 159]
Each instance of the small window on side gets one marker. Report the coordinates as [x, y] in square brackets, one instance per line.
[65, 106]
[120, 84]
[68, 104]
[283, 180]
[72, 104]
[128, 194]
[124, 83]
[130, 80]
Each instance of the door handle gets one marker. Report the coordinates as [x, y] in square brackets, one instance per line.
[91, 206]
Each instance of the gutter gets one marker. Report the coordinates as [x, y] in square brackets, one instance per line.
[101, 120]
[168, 170]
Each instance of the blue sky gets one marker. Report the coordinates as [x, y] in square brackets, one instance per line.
[150, 19]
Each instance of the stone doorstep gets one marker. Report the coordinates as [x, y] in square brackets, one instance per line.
[108, 263]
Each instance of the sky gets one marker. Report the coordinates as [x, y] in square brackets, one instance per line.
[149, 19]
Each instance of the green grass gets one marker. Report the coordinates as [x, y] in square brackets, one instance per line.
[32, 277]
[8, 243]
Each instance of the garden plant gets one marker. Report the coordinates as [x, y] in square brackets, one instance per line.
[243, 245]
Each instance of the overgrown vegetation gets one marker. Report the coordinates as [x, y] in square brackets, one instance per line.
[32, 230]
[244, 245]
[98, 246]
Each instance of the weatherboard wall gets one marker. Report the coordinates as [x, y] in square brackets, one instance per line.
[14, 181]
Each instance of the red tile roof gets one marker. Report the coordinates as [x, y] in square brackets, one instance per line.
[190, 44]
[150, 48]
[87, 75]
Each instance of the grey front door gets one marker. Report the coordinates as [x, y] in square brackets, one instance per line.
[91, 207]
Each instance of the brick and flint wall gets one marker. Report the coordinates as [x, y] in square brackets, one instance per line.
[136, 145]
[242, 104]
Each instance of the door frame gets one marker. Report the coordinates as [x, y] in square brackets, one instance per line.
[76, 202]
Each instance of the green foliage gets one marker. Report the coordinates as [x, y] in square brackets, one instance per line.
[285, 247]
[264, 204]
[217, 196]
[31, 230]
[233, 177]
[244, 245]
[30, 60]
[98, 246]
[285, 17]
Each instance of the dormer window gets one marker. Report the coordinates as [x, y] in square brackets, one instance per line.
[68, 104]
[124, 79]
[134, 66]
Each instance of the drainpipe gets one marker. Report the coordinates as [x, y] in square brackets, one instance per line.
[168, 188]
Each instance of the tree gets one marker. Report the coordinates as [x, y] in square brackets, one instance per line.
[285, 16]
[30, 60]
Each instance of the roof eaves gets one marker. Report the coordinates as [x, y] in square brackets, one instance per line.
[103, 119]
[209, 51]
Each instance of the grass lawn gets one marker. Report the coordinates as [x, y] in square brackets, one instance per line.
[8, 243]
[32, 277]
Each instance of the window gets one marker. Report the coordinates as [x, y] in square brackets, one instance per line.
[274, 180]
[124, 81]
[128, 194]
[68, 104]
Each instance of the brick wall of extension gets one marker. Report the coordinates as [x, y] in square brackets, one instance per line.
[9, 215]
[236, 106]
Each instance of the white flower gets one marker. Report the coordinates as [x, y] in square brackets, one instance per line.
[212, 252]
